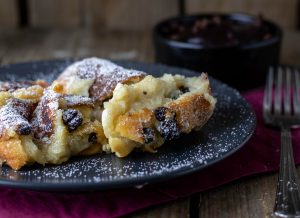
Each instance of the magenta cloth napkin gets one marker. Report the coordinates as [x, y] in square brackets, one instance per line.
[259, 155]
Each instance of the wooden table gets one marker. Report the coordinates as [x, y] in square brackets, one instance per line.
[248, 197]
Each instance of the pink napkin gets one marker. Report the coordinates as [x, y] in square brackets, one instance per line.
[259, 155]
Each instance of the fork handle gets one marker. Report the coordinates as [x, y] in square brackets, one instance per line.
[287, 202]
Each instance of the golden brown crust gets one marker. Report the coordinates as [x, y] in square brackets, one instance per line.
[131, 125]
[44, 115]
[192, 111]
[13, 153]
[146, 114]
[103, 87]
[46, 128]
[100, 75]
[18, 101]
[33, 93]
[67, 120]
[24, 107]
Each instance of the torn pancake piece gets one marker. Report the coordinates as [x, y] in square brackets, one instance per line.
[62, 125]
[45, 126]
[94, 106]
[18, 100]
[16, 146]
[146, 114]
[96, 78]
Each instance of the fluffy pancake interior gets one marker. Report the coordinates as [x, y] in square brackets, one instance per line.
[149, 93]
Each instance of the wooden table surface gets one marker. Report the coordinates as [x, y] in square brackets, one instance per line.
[247, 197]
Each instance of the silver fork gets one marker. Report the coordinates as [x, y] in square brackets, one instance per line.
[284, 112]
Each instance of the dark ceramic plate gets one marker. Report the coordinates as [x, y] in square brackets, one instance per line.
[229, 128]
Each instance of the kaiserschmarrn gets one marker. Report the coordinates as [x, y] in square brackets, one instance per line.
[96, 106]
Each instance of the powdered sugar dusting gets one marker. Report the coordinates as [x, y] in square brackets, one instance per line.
[92, 67]
[230, 126]
[23, 107]
[77, 100]
[10, 119]
[44, 115]
[15, 114]
[106, 75]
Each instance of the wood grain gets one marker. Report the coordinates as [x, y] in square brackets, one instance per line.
[179, 208]
[102, 14]
[246, 198]
[136, 14]
[9, 17]
[280, 11]
[253, 197]
[138, 45]
[39, 44]
[127, 14]
[54, 13]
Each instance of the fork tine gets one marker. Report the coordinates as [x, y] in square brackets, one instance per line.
[267, 103]
[287, 92]
[278, 92]
[296, 102]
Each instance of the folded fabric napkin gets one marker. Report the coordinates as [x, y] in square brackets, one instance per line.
[260, 154]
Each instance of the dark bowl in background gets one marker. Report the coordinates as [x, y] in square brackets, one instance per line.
[242, 66]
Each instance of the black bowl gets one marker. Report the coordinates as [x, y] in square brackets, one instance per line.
[241, 65]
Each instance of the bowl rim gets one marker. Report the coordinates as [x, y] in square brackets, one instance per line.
[241, 16]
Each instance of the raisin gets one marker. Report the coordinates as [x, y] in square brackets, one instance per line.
[72, 119]
[184, 89]
[168, 129]
[69, 114]
[160, 113]
[24, 129]
[148, 135]
[167, 126]
[93, 138]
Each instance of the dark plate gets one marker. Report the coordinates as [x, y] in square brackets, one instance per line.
[229, 128]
